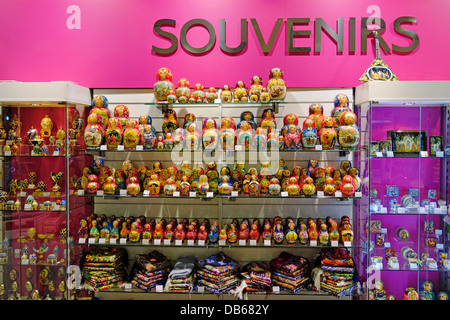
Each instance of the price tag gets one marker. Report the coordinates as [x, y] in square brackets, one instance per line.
[25, 261]
[146, 193]
[338, 194]
[139, 148]
[56, 153]
[378, 265]
[320, 194]
[201, 289]
[422, 210]
[120, 147]
[440, 246]
[284, 194]
[145, 241]
[123, 241]
[222, 242]
[167, 242]
[253, 242]
[27, 206]
[267, 243]
[358, 194]
[91, 240]
[101, 240]
[276, 289]
[424, 154]
[192, 194]
[80, 192]
[24, 194]
[82, 240]
[390, 154]
[383, 230]
[383, 210]
[395, 266]
[318, 147]
[7, 153]
[400, 210]
[379, 154]
[242, 242]
[438, 232]
[159, 288]
[157, 242]
[191, 242]
[112, 240]
[238, 147]
[9, 142]
[127, 286]
[413, 266]
[235, 193]
[210, 194]
[201, 243]
[347, 244]
[46, 194]
[100, 192]
[103, 147]
[334, 243]
[387, 244]
[313, 243]
[176, 193]
[17, 253]
[123, 192]
[178, 242]
[56, 208]
[31, 186]
[439, 154]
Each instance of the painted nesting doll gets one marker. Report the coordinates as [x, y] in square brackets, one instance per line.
[255, 89]
[225, 186]
[163, 85]
[199, 93]
[341, 105]
[100, 106]
[316, 113]
[245, 136]
[240, 92]
[268, 120]
[276, 86]
[122, 113]
[131, 135]
[170, 122]
[247, 116]
[347, 187]
[210, 134]
[192, 138]
[94, 132]
[348, 132]
[227, 133]
[211, 95]
[114, 134]
[226, 95]
[309, 134]
[328, 134]
[183, 90]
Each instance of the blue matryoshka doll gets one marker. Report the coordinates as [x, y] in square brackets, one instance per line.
[249, 117]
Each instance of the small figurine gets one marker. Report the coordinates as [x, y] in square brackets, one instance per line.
[254, 231]
[210, 134]
[316, 114]
[114, 134]
[243, 232]
[347, 187]
[278, 235]
[168, 141]
[245, 136]
[110, 187]
[183, 89]
[148, 137]
[131, 135]
[170, 122]
[169, 187]
[94, 132]
[94, 232]
[348, 134]
[232, 234]
[122, 113]
[324, 237]
[247, 116]
[211, 95]
[292, 187]
[226, 96]
[46, 125]
[291, 234]
[227, 133]
[328, 134]
[240, 92]
[341, 105]
[133, 187]
[276, 86]
[255, 89]
[199, 93]
[92, 184]
[329, 187]
[163, 85]
[225, 187]
[309, 134]
[268, 120]
[213, 236]
[192, 138]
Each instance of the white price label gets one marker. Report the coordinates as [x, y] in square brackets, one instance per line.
[379, 154]
[24, 194]
[159, 288]
[276, 289]
[82, 240]
[383, 230]
[222, 242]
[334, 243]
[139, 148]
[313, 243]
[167, 242]
[46, 194]
[7, 153]
[123, 192]
[192, 194]
[201, 243]
[56, 153]
[176, 193]
[91, 240]
[390, 154]
[127, 286]
[234, 193]
[338, 194]
[242, 242]
[120, 147]
[146, 193]
[400, 210]
[253, 242]
[439, 154]
[145, 241]
[210, 194]
[424, 154]
[100, 192]
[201, 289]
[284, 194]
[190, 242]
[178, 242]
[318, 147]
[320, 194]
[413, 266]
[103, 147]
[395, 266]
[387, 244]
[157, 242]
[25, 261]
[440, 246]
[27, 206]
[101, 240]
[80, 192]
[438, 232]
[358, 194]
[238, 147]
[123, 241]
[112, 240]
[347, 244]
[267, 242]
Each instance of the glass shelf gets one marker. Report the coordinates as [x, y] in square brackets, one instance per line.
[215, 104]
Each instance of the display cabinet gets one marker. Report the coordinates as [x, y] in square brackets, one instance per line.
[406, 216]
[41, 126]
[219, 208]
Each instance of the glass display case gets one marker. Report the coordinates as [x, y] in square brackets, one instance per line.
[406, 227]
[147, 205]
[41, 125]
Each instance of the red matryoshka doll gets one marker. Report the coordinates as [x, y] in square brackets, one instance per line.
[254, 231]
[170, 122]
[276, 86]
[347, 187]
[211, 95]
[131, 135]
[240, 92]
[100, 107]
[192, 138]
[152, 184]
[297, 171]
[92, 185]
[227, 133]
[309, 134]
[329, 187]
[243, 232]
[133, 187]
[255, 89]
[122, 113]
[267, 231]
[328, 134]
[341, 105]
[254, 188]
[316, 114]
[147, 232]
[183, 90]
[199, 93]
[180, 234]
[210, 134]
[313, 233]
[226, 96]
[191, 233]
[274, 187]
[292, 187]
[348, 133]
[329, 171]
[110, 187]
[114, 134]
[308, 187]
[245, 136]
[232, 234]
[268, 120]
[185, 186]
[319, 179]
[202, 233]
[337, 177]
[94, 132]
[163, 85]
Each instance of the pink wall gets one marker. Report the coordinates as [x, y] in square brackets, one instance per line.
[113, 46]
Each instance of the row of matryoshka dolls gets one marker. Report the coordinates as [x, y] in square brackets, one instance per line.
[157, 180]
[339, 128]
[165, 90]
[324, 231]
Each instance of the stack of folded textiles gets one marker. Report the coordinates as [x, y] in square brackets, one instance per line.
[337, 271]
[104, 268]
[257, 277]
[150, 270]
[218, 273]
[181, 278]
[289, 272]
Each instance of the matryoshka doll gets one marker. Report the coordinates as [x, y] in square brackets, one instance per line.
[240, 92]
[183, 90]
[347, 187]
[210, 134]
[276, 86]
[329, 187]
[292, 137]
[143, 121]
[94, 132]
[199, 93]
[287, 121]
[278, 234]
[341, 105]
[302, 232]
[226, 96]
[309, 134]
[131, 135]
[291, 234]
[163, 85]
[152, 184]
[170, 187]
[255, 89]
[192, 138]
[348, 133]
[188, 119]
[272, 141]
[247, 116]
[225, 186]
[122, 113]
[110, 187]
[100, 107]
[133, 187]
[203, 185]
[170, 122]
[308, 187]
[313, 233]
[354, 173]
[168, 141]
[324, 236]
[265, 95]
[245, 136]
[114, 134]
[274, 187]
[292, 187]
[92, 184]
[268, 120]
[254, 188]
[267, 231]
[179, 234]
[227, 133]
[185, 186]
[178, 139]
[243, 232]
[328, 134]
[191, 233]
[316, 113]
[211, 95]
[148, 137]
